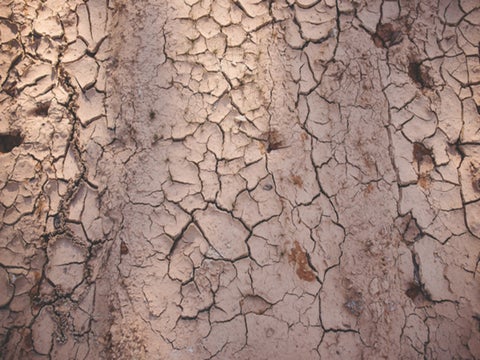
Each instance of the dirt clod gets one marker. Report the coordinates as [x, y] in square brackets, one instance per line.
[298, 257]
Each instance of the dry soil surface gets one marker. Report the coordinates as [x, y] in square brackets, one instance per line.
[239, 179]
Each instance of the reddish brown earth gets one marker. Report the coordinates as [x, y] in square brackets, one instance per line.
[239, 179]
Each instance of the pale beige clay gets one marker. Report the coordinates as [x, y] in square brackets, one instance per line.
[239, 179]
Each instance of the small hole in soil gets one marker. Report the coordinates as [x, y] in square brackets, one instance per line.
[419, 74]
[57, 221]
[274, 140]
[413, 291]
[267, 187]
[10, 88]
[123, 248]
[386, 36]
[42, 109]
[10, 141]
[420, 152]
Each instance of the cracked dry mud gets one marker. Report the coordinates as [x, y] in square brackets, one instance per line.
[239, 179]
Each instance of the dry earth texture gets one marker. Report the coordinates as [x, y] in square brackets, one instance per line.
[239, 179]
